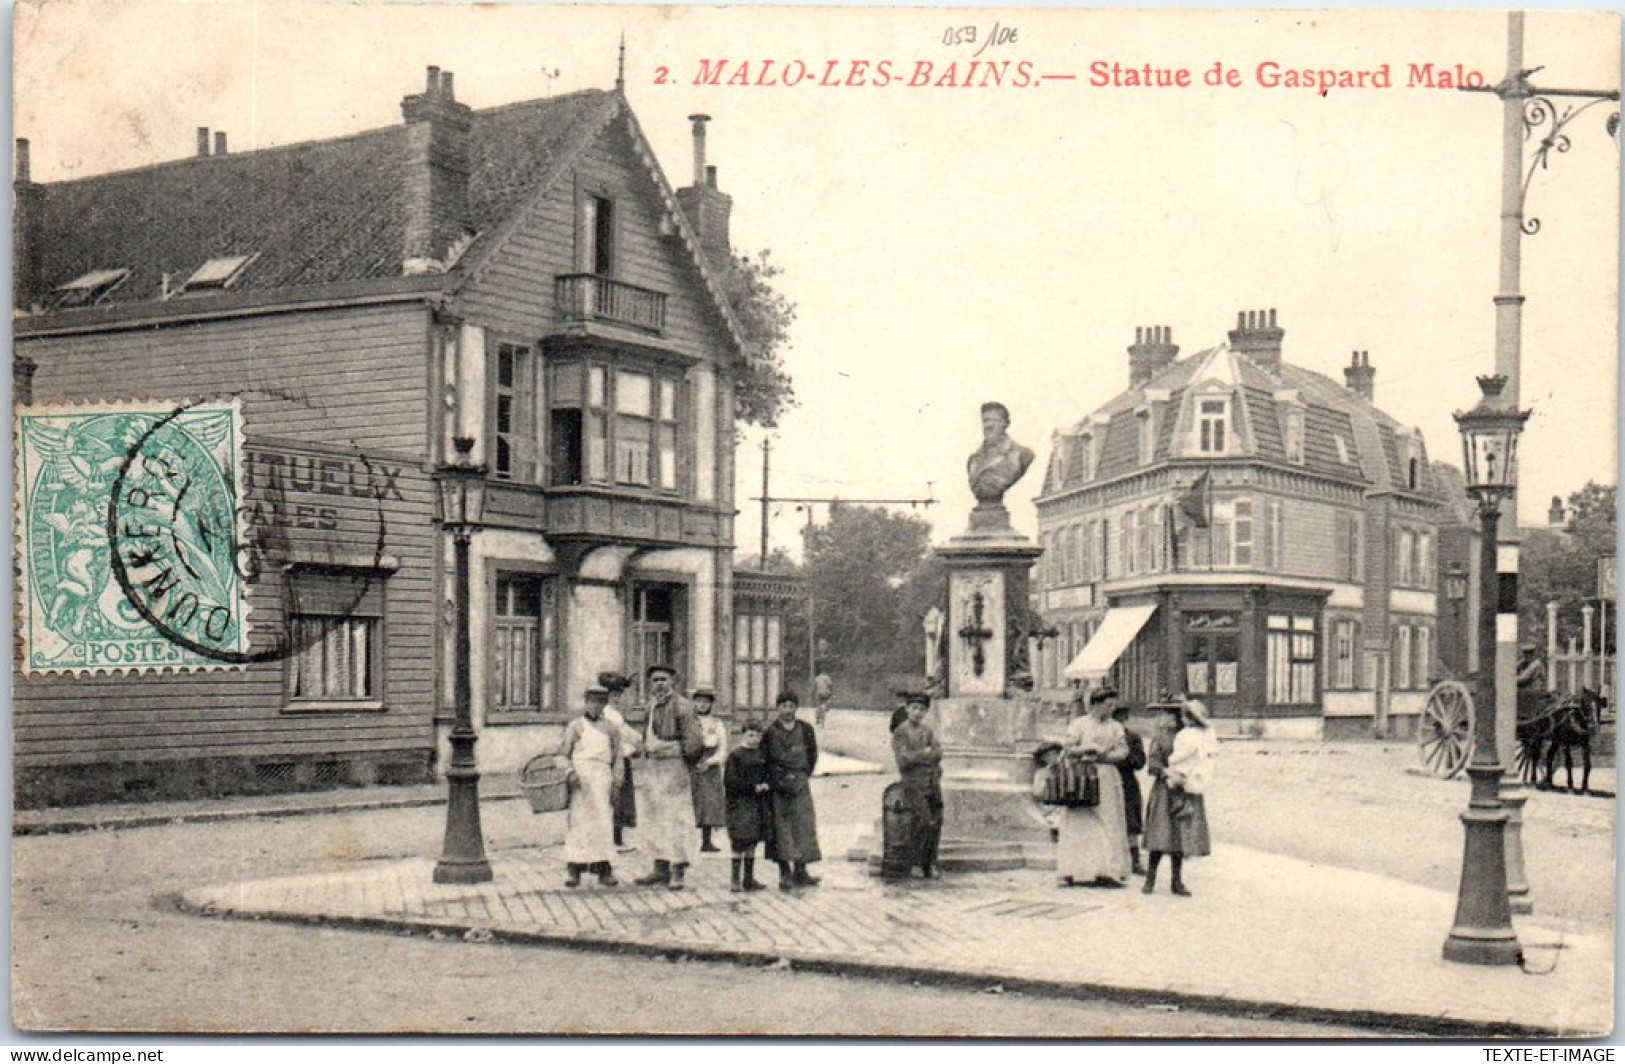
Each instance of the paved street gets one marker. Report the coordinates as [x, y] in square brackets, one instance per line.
[92, 949]
[99, 945]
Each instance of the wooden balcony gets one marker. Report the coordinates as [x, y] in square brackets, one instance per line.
[606, 515]
[586, 297]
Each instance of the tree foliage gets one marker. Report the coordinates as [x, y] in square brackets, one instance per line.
[762, 390]
[871, 576]
[1561, 567]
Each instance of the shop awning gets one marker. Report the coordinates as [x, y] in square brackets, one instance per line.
[1113, 636]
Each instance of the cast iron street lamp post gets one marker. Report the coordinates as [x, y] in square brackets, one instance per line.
[1482, 933]
[1527, 112]
[462, 857]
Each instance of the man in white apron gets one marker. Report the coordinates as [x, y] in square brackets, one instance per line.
[672, 740]
[592, 748]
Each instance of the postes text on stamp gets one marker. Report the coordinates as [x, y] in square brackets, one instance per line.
[128, 537]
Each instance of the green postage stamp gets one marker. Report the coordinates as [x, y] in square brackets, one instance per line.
[128, 537]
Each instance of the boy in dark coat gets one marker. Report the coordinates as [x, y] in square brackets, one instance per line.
[749, 808]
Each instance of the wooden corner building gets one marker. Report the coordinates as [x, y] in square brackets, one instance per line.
[524, 276]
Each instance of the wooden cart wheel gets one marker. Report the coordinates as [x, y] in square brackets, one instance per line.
[1444, 735]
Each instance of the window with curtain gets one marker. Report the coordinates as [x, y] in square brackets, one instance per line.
[335, 623]
[524, 625]
[1290, 659]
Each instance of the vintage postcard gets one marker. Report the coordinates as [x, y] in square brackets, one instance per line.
[835, 522]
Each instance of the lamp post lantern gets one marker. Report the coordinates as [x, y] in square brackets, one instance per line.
[1482, 932]
[461, 499]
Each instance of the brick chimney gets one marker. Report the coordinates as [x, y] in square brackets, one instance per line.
[25, 237]
[219, 143]
[203, 140]
[708, 208]
[1556, 516]
[1359, 376]
[1258, 337]
[436, 172]
[1152, 352]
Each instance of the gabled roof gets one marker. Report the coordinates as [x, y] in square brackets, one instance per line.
[319, 213]
[315, 213]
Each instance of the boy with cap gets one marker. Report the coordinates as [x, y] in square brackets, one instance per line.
[671, 742]
[919, 764]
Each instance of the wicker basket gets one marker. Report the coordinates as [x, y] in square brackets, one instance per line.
[546, 784]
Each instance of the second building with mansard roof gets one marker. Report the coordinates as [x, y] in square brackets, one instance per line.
[1245, 531]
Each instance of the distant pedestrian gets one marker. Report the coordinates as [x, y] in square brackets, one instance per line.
[671, 742]
[591, 746]
[1181, 762]
[791, 749]
[624, 796]
[710, 808]
[919, 766]
[1093, 848]
[750, 808]
[823, 694]
[1133, 816]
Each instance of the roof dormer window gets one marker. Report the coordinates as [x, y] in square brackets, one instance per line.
[1145, 436]
[217, 274]
[1295, 435]
[1342, 450]
[1212, 425]
[90, 289]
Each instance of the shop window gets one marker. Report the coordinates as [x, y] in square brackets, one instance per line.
[1212, 652]
[335, 622]
[525, 626]
[1290, 660]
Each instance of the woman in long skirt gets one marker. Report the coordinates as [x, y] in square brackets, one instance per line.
[1093, 848]
[705, 778]
[592, 747]
[1181, 761]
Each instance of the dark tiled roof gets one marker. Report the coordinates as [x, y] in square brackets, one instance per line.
[314, 213]
[1331, 410]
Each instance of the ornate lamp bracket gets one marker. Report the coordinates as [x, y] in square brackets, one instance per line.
[1549, 120]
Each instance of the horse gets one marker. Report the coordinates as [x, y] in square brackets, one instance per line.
[1558, 725]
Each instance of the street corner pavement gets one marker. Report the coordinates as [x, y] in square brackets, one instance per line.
[1261, 932]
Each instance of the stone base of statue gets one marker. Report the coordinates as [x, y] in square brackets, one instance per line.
[990, 821]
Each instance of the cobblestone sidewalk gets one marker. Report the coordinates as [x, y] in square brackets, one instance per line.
[1263, 934]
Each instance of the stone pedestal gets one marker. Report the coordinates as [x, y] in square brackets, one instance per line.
[987, 736]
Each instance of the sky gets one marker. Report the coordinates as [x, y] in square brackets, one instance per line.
[948, 244]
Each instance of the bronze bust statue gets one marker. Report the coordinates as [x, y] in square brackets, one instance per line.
[994, 467]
